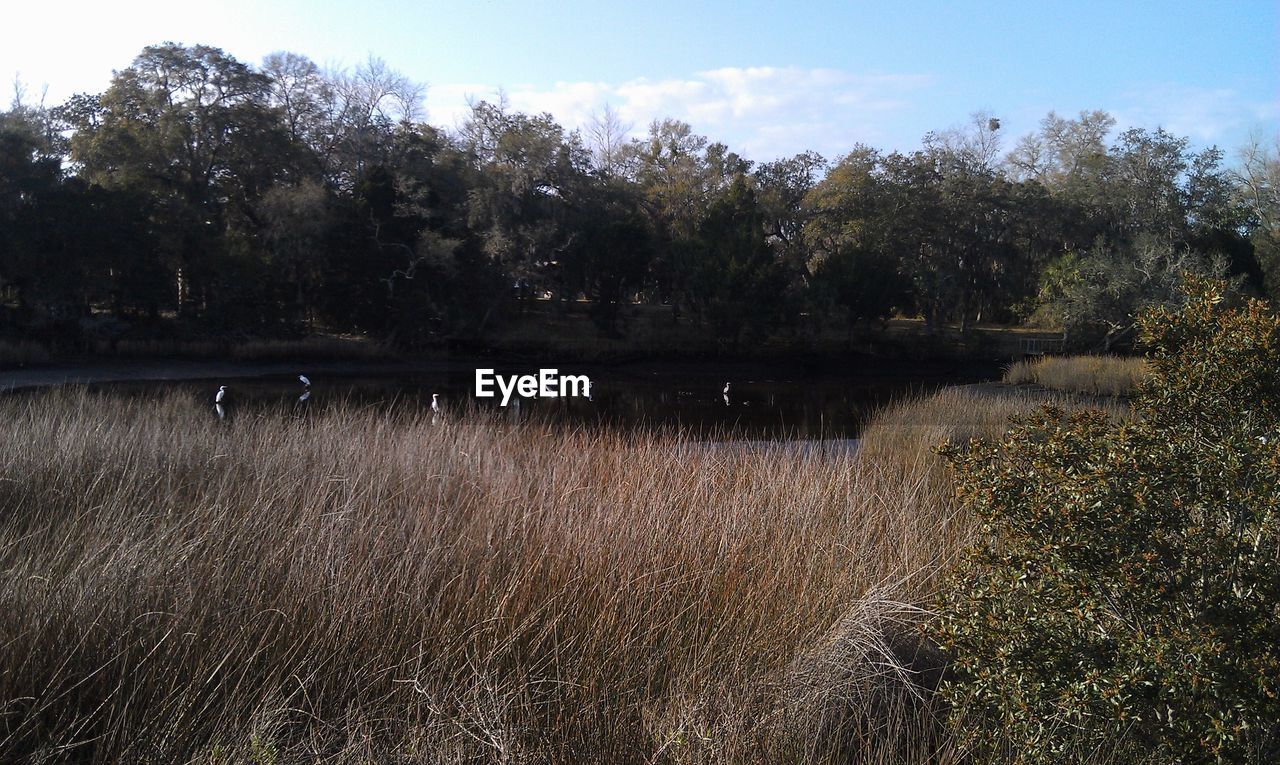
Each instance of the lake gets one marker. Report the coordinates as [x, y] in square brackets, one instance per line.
[766, 402]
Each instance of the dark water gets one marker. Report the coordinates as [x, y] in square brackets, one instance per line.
[764, 403]
[770, 404]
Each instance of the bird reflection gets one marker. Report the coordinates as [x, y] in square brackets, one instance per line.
[219, 399]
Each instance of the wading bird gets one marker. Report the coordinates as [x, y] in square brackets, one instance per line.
[221, 395]
[435, 403]
[303, 379]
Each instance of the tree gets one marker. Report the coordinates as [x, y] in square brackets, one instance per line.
[1257, 189]
[976, 145]
[1122, 596]
[863, 283]
[610, 260]
[365, 105]
[189, 127]
[607, 138]
[29, 171]
[530, 175]
[1146, 191]
[955, 230]
[1097, 295]
[734, 278]
[297, 219]
[1065, 153]
[783, 187]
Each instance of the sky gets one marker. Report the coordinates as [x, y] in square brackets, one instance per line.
[768, 79]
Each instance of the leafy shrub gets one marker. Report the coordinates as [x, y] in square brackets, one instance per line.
[1124, 602]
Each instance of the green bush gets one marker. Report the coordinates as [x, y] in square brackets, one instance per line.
[1123, 603]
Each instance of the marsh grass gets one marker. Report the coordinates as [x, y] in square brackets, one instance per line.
[1094, 375]
[371, 586]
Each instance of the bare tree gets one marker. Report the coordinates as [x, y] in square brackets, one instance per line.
[607, 136]
[343, 116]
[976, 144]
[1062, 149]
[301, 92]
[375, 91]
[1258, 181]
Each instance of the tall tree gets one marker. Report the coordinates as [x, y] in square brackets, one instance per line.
[191, 127]
[1257, 189]
[783, 187]
[531, 174]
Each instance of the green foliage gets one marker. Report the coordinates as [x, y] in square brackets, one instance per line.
[737, 281]
[1096, 295]
[1123, 598]
[865, 284]
[287, 196]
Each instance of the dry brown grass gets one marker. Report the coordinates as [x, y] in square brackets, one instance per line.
[1094, 375]
[367, 586]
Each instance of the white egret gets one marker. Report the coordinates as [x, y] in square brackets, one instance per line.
[303, 379]
[221, 395]
[435, 403]
[726, 388]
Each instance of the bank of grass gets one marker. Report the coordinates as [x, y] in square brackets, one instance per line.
[1094, 375]
[371, 586]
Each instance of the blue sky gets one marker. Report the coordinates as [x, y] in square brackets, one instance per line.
[769, 79]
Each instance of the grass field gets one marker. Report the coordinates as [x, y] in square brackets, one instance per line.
[1094, 375]
[373, 587]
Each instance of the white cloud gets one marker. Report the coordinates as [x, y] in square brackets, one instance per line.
[762, 112]
[1206, 115]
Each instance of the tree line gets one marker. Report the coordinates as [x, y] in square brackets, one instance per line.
[203, 192]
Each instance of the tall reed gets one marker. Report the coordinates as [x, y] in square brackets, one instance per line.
[365, 585]
[1095, 375]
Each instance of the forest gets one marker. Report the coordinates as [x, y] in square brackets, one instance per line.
[201, 196]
